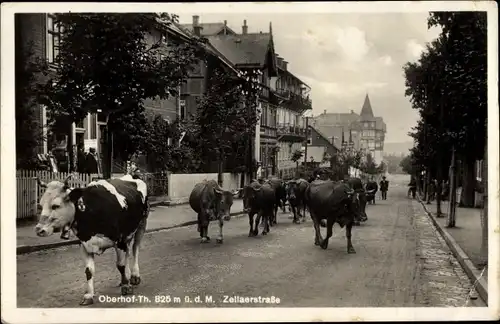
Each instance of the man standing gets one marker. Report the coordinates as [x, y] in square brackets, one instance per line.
[384, 186]
[91, 162]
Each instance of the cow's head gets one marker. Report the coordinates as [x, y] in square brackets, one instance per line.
[357, 204]
[225, 201]
[58, 211]
[291, 190]
[249, 193]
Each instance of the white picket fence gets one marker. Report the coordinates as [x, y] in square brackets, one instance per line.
[28, 191]
[27, 197]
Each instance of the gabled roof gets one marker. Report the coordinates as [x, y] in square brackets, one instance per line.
[320, 132]
[337, 119]
[366, 111]
[177, 29]
[249, 49]
[210, 28]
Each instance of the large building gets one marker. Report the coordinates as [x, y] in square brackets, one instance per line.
[39, 33]
[283, 99]
[364, 131]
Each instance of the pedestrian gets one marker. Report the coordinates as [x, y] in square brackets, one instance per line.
[412, 187]
[384, 187]
[80, 159]
[91, 164]
[431, 191]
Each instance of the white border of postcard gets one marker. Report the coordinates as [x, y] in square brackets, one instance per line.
[11, 314]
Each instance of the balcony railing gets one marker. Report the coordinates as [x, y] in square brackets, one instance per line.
[296, 100]
[290, 129]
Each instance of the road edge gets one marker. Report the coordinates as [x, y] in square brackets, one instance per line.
[25, 249]
[481, 286]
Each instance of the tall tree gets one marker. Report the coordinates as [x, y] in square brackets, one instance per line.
[29, 132]
[226, 116]
[106, 64]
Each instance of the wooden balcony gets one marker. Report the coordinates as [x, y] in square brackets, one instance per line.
[290, 100]
[289, 132]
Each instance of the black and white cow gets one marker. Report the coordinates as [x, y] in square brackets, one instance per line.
[105, 214]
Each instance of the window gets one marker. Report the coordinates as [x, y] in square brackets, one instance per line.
[182, 109]
[53, 38]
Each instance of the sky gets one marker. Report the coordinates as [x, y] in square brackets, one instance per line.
[344, 56]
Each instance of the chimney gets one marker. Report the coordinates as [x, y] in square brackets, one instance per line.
[324, 112]
[196, 26]
[280, 62]
[225, 27]
[244, 28]
[285, 64]
[352, 111]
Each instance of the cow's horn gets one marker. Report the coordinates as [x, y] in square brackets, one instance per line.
[350, 192]
[218, 190]
[256, 189]
[66, 184]
[41, 183]
[236, 191]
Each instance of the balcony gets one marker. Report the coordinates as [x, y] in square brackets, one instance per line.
[290, 100]
[289, 132]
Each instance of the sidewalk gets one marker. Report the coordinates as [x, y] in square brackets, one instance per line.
[464, 240]
[160, 217]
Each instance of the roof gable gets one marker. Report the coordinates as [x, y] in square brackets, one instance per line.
[366, 111]
[249, 49]
[210, 29]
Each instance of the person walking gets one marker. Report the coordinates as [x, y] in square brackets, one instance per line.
[384, 187]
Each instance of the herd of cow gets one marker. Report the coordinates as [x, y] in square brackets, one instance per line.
[113, 214]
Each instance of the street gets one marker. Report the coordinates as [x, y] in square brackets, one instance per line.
[400, 262]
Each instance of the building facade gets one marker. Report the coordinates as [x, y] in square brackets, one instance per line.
[362, 132]
[40, 33]
[250, 52]
[292, 100]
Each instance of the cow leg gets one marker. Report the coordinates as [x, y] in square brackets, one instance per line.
[220, 238]
[250, 220]
[317, 230]
[265, 216]
[257, 221]
[274, 216]
[283, 206]
[204, 222]
[329, 233]
[294, 211]
[303, 208]
[348, 231]
[122, 257]
[135, 277]
[88, 298]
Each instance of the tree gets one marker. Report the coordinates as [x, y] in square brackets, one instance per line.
[29, 132]
[106, 65]
[226, 115]
[296, 157]
[369, 166]
[407, 164]
[448, 87]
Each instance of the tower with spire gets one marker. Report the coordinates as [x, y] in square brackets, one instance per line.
[372, 131]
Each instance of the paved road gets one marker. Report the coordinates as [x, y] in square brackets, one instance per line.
[400, 262]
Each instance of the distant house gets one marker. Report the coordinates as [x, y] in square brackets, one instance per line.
[317, 138]
[363, 131]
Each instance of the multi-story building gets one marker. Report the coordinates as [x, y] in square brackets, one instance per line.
[292, 100]
[250, 52]
[39, 32]
[363, 131]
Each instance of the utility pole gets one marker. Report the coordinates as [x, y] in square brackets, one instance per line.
[307, 139]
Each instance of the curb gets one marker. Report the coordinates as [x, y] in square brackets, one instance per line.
[25, 249]
[481, 286]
